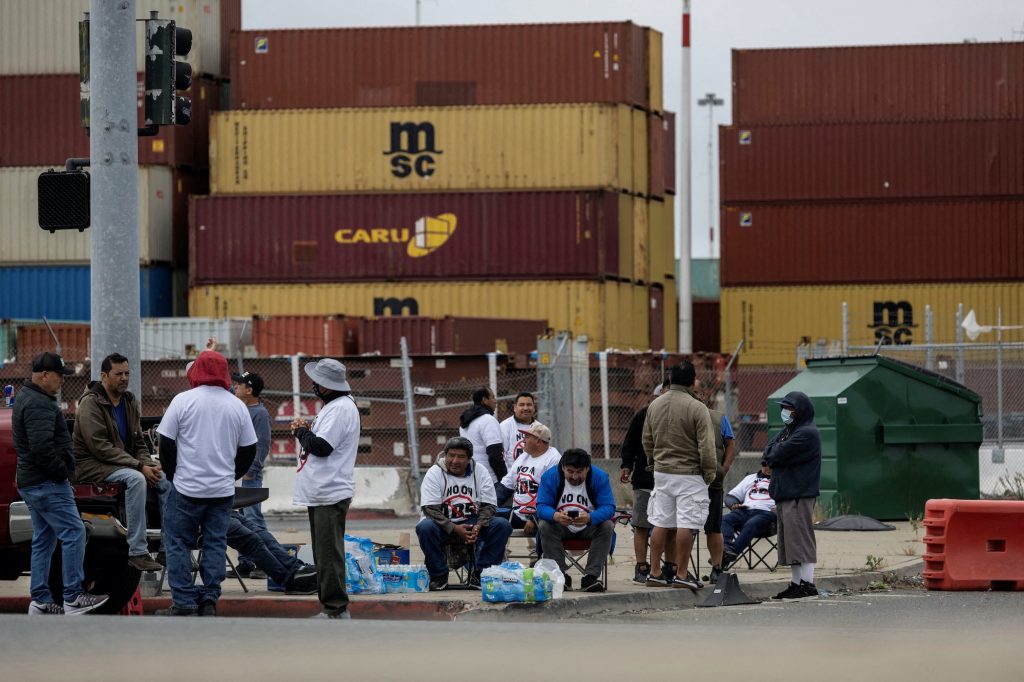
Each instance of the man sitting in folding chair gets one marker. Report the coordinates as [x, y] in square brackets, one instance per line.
[521, 483]
[752, 515]
[575, 502]
[458, 504]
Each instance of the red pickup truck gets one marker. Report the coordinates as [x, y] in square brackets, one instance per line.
[102, 508]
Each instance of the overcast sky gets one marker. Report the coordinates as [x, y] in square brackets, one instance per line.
[717, 27]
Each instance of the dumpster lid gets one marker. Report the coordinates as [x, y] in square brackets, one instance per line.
[913, 371]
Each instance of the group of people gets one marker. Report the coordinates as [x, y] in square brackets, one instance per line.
[209, 437]
[676, 454]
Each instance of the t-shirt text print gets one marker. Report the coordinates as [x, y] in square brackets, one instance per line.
[458, 500]
[575, 499]
[523, 479]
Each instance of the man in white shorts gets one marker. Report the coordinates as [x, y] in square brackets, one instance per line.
[679, 438]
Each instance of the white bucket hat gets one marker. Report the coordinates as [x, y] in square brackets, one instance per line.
[328, 373]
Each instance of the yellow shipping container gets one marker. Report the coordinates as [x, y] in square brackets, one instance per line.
[429, 149]
[774, 320]
[654, 69]
[627, 218]
[612, 314]
[661, 244]
[671, 317]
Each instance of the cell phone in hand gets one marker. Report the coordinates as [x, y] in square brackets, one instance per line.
[573, 514]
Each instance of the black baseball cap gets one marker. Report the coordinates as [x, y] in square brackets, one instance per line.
[250, 379]
[50, 362]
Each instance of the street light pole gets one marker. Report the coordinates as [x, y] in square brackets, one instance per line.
[710, 101]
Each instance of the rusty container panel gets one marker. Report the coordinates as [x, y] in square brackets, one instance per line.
[878, 83]
[669, 150]
[326, 335]
[429, 149]
[611, 314]
[290, 238]
[40, 125]
[661, 243]
[440, 65]
[186, 183]
[458, 335]
[655, 70]
[907, 241]
[872, 161]
[472, 335]
[75, 345]
[707, 336]
[641, 241]
[656, 318]
[655, 156]
[773, 321]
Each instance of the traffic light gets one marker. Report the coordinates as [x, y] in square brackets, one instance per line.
[166, 41]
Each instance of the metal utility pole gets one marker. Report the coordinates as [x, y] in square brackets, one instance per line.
[114, 153]
[684, 287]
[710, 101]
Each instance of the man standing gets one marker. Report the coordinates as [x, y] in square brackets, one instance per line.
[478, 425]
[524, 413]
[45, 466]
[794, 456]
[248, 388]
[325, 482]
[576, 501]
[725, 452]
[457, 499]
[679, 437]
[109, 447]
[522, 481]
[206, 443]
[634, 469]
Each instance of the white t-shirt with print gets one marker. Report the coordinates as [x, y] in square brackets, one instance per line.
[511, 437]
[484, 431]
[208, 425]
[327, 480]
[461, 496]
[523, 479]
[753, 493]
[575, 498]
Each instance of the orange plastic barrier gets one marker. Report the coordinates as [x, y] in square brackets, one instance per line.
[134, 605]
[974, 545]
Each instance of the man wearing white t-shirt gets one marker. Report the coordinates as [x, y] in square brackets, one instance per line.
[522, 481]
[207, 442]
[325, 482]
[478, 425]
[524, 412]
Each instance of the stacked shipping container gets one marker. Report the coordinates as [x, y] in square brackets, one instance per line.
[40, 127]
[890, 178]
[528, 167]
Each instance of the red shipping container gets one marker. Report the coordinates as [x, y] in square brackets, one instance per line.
[656, 318]
[707, 326]
[308, 334]
[860, 243]
[878, 83]
[440, 65]
[306, 238]
[872, 161]
[656, 139]
[33, 339]
[458, 335]
[40, 124]
[669, 150]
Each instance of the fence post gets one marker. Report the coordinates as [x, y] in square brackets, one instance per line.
[960, 343]
[602, 359]
[546, 384]
[296, 397]
[999, 377]
[846, 329]
[730, 399]
[492, 372]
[410, 421]
[580, 393]
[929, 356]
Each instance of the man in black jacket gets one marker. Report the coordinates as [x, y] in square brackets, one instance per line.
[45, 466]
[795, 458]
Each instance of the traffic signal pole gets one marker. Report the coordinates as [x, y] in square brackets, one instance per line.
[113, 150]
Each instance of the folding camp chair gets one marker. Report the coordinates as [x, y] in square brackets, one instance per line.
[757, 553]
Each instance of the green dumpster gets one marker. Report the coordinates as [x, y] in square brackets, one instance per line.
[893, 435]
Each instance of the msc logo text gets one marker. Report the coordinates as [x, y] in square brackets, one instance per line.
[413, 149]
[893, 323]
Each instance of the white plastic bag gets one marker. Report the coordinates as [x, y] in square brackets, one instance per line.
[557, 577]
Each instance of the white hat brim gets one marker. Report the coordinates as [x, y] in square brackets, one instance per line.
[326, 382]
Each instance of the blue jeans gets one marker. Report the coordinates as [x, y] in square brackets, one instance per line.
[490, 545]
[255, 514]
[135, 505]
[751, 523]
[55, 517]
[263, 548]
[183, 521]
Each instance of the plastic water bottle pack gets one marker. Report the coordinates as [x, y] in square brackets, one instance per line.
[404, 577]
[510, 582]
[362, 575]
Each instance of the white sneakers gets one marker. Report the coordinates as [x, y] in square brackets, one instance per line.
[83, 603]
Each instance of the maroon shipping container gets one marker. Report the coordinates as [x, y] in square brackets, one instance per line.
[306, 238]
[872, 161]
[879, 83]
[707, 326]
[656, 318]
[669, 151]
[440, 65]
[33, 339]
[40, 124]
[460, 335]
[655, 156]
[186, 183]
[907, 241]
[307, 334]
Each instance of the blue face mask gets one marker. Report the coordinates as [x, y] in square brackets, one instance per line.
[787, 416]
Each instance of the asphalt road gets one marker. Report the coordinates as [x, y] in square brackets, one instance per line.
[903, 635]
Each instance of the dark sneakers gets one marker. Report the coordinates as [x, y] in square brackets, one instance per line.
[728, 559]
[640, 574]
[207, 608]
[591, 584]
[716, 573]
[809, 589]
[794, 591]
[438, 583]
[662, 580]
[177, 611]
[474, 580]
[789, 592]
[144, 562]
[689, 582]
[568, 582]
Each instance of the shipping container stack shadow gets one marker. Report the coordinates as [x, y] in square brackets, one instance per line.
[43, 274]
[890, 178]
